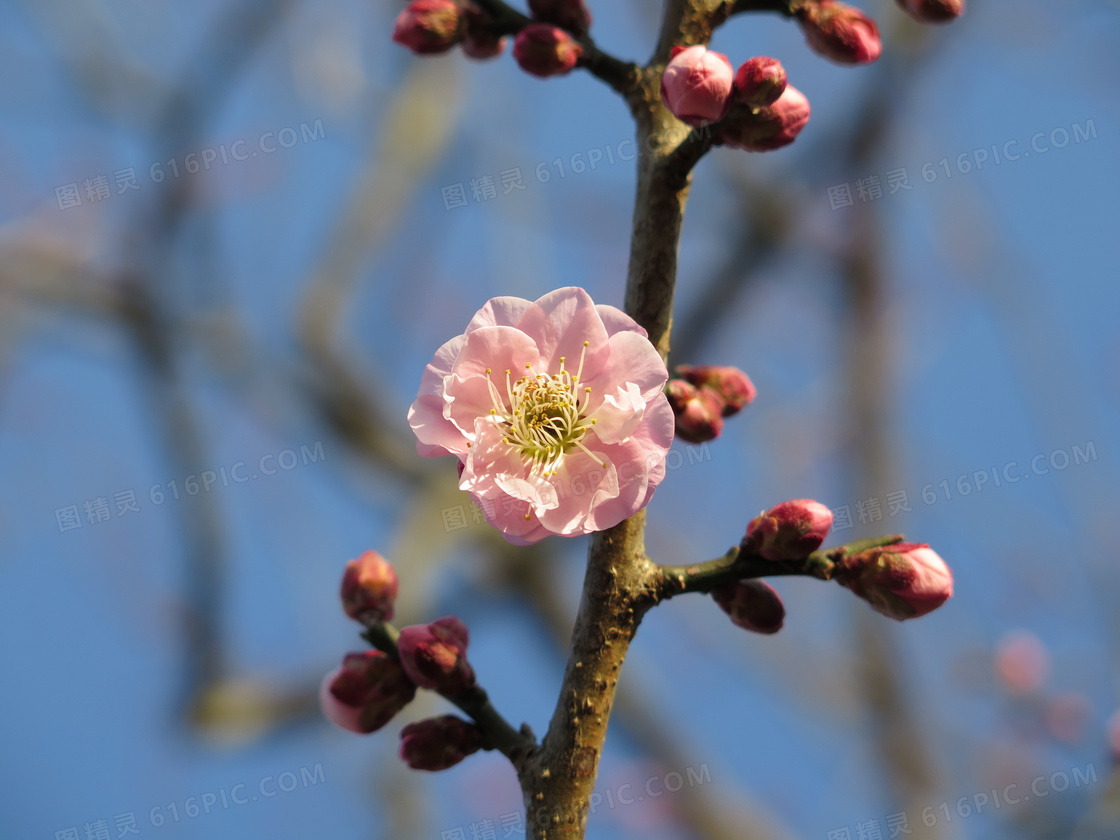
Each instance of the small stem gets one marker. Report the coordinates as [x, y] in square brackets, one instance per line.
[737, 565]
[620, 75]
[497, 732]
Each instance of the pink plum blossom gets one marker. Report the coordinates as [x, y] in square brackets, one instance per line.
[697, 85]
[555, 411]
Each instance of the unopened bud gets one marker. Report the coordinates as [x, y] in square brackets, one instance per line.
[697, 85]
[840, 32]
[790, 531]
[438, 743]
[698, 411]
[430, 26]
[905, 580]
[733, 387]
[933, 11]
[369, 588]
[546, 50]
[767, 128]
[572, 15]
[435, 655]
[480, 40]
[752, 605]
[366, 692]
[760, 81]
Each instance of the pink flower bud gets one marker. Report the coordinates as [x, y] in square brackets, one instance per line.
[369, 588]
[906, 580]
[840, 32]
[790, 531]
[768, 128]
[438, 743]
[760, 81]
[734, 387]
[435, 655]
[366, 692]
[572, 15]
[697, 85]
[480, 40]
[545, 50]
[430, 26]
[933, 11]
[752, 605]
[698, 411]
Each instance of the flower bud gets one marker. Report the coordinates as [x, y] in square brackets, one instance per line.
[697, 85]
[572, 15]
[430, 26]
[438, 743]
[369, 588]
[752, 605]
[933, 11]
[366, 692]
[790, 531]
[545, 50]
[767, 128]
[698, 411]
[734, 387]
[760, 81]
[480, 40]
[435, 655]
[906, 580]
[840, 32]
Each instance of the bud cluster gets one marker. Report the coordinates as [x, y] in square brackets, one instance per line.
[371, 687]
[700, 86]
[701, 397]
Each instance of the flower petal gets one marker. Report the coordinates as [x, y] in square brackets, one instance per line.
[434, 433]
[560, 323]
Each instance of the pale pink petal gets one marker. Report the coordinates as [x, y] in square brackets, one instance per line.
[619, 414]
[560, 323]
[615, 320]
[434, 433]
[468, 390]
[582, 483]
[632, 359]
[499, 312]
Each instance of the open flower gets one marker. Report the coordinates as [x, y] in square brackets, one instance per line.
[555, 411]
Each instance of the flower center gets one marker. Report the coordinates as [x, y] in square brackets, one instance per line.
[542, 417]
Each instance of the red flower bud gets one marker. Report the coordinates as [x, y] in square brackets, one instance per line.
[767, 128]
[435, 655]
[697, 85]
[752, 605]
[734, 387]
[572, 15]
[369, 588]
[698, 411]
[790, 531]
[840, 32]
[906, 580]
[366, 692]
[480, 41]
[438, 743]
[760, 82]
[933, 11]
[545, 50]
[430, 26]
